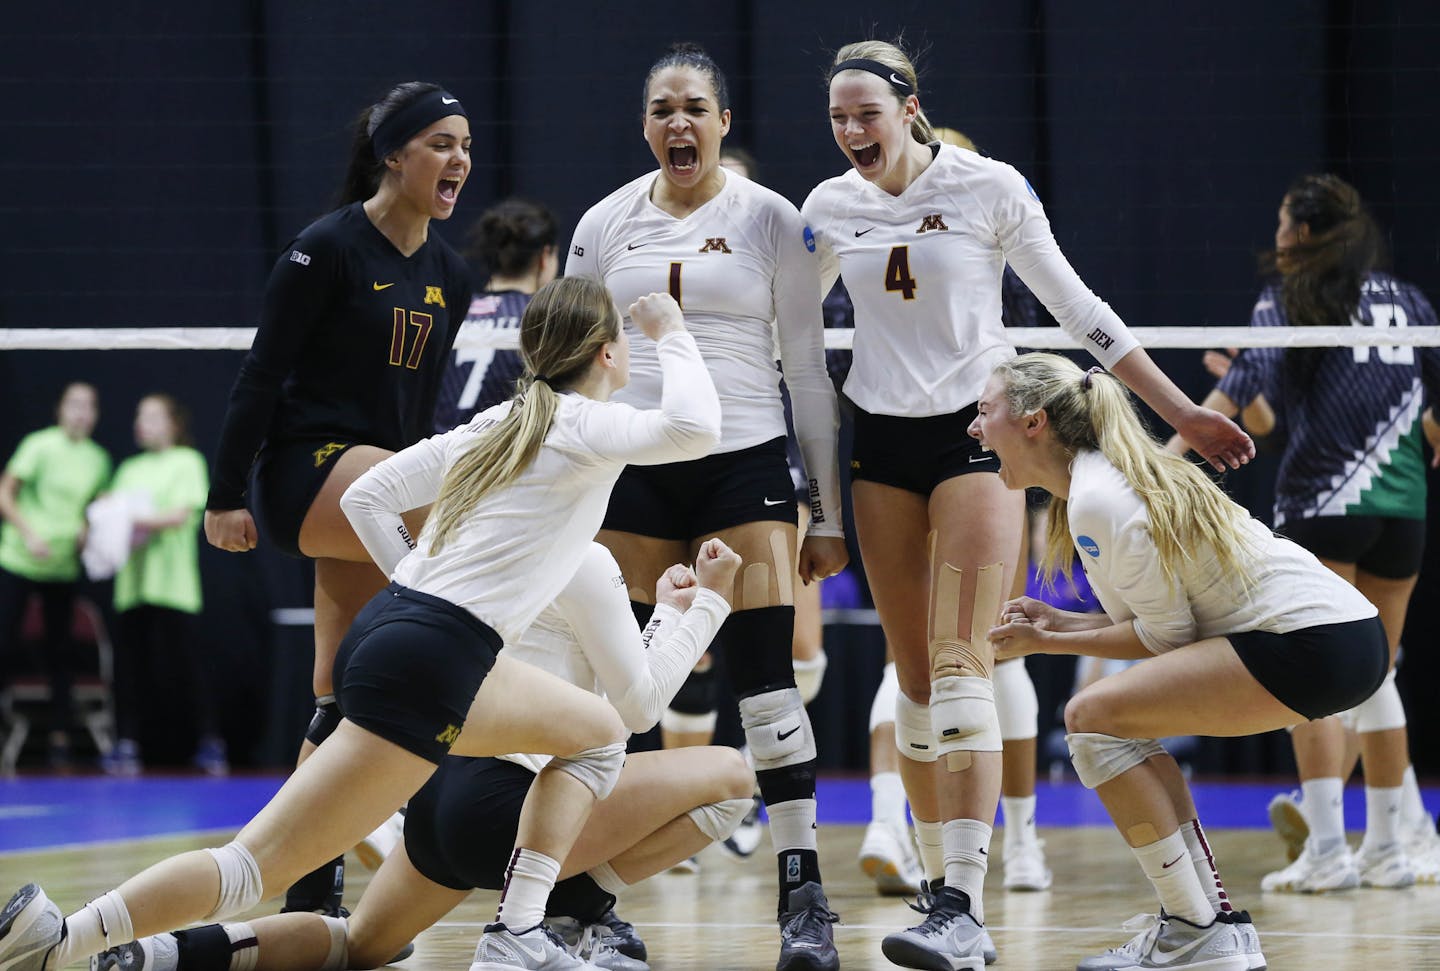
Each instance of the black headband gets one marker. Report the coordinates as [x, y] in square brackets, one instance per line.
[400, 126]
[892, 77]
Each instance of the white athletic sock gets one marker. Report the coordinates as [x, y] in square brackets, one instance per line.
[102, 923]
[528, 882]
[1413, 814]
[1019, 821]
[967, 857]
[1204, 862]
[1325, 812]
[1167, 863]
[792, 825]
[887, 798]
[930, 837]
[1382, 816]
[607, 879]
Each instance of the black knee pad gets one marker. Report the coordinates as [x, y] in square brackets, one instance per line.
[205, 948]
[787, 784]
[757, 649]
[579, 897]
[325, 720]
[697, 696]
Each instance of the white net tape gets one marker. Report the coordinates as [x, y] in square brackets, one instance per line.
[1044, 338]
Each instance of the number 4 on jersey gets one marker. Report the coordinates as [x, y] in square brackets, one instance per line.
[897, 273]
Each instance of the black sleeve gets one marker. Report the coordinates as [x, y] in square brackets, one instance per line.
[300, 288]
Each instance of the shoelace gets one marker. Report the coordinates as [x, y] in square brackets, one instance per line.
[808, 920]
[594, 944]
[1146, 928]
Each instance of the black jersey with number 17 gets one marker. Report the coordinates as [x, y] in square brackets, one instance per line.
[352, 342]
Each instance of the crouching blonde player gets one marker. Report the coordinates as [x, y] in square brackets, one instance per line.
[1249, 633]
[460, 827]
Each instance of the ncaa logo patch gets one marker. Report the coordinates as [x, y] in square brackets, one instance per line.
[809, 239]
[1088, 545]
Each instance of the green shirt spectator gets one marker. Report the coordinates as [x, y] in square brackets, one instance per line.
[164, 568]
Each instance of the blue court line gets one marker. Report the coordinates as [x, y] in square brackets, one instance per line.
[39, 812]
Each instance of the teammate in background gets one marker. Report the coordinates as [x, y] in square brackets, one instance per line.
[463, 822]
[359, 316]
[157, 591]
[1351, 489]
[1248, 632]
[737, 258]
[518, 495]
[939, 534]
[515, 242]
[47, 483]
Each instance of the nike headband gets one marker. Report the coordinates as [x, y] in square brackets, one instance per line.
[892, 77]
[404, 124]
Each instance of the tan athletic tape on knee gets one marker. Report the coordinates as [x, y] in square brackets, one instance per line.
[1099, 758]
[1381, 712]
[962, 712]
[951, 653]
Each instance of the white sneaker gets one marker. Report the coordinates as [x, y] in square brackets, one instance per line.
[374, 848]
[1312, 873]
[1385, 867]
[1025, 867]
[1422, 845]
[30, 927]
[537, 949]
[1288, 817]
[888, 857]
[588, 942]
[949, 937]
[1174, 943]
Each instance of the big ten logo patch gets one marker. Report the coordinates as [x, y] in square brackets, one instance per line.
[298, 257]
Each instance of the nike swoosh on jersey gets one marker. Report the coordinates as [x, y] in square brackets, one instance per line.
[637, 245]
[862, 232]
[448, 101]
[979, 458]
[382, 286]
[772, 502]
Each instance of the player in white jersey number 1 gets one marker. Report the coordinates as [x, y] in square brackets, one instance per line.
[921, 232]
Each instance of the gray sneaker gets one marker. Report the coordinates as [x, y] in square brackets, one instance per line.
[536, 949]
[949, 939]
[30, 927]
[591, 942]
[926, 899]
[1174, 943]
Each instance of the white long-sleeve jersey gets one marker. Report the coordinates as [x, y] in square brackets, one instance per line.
[520, 545]
[744, 270]
[923, 270]
[588, 636]
[1288, 588]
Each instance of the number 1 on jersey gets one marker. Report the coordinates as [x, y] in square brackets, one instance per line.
[675, 283]
[897, 273]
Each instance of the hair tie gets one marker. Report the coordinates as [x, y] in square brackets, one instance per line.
[541, 377]
[1085, 380]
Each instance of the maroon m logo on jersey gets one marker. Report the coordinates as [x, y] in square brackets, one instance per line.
[715, 244]
[933, 221]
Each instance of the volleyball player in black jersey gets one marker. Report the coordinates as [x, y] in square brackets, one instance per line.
[359, 316]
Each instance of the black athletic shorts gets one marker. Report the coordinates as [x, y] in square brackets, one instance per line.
[460, 827]
[1383, 546]
[698, 498]
[917, 454]
[409, 668]
[1318, 671]
[287, 478]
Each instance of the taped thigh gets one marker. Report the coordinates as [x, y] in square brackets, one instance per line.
[953, 652]
[761, 584]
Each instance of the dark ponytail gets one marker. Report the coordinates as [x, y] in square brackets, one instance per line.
[362, 175]
[509, 237]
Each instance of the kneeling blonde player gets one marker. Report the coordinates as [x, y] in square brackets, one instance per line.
[1250, 633]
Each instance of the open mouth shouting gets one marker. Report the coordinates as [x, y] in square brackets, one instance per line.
[449, 191]
[865, 155]
[683, 160]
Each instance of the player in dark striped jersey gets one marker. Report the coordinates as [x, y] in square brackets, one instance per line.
[359, 315]
[515, 240]
[1351, 489]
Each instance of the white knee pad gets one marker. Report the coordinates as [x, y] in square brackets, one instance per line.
[809, 675]
[882, 709]
[719, 820]
[682, 721]
[963, 716]
[1381, 712]
[1100, 758]
[339, 957]
[598, 769]
[914, 736]
[240, 882]
[777, 729]
[1015, 700]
